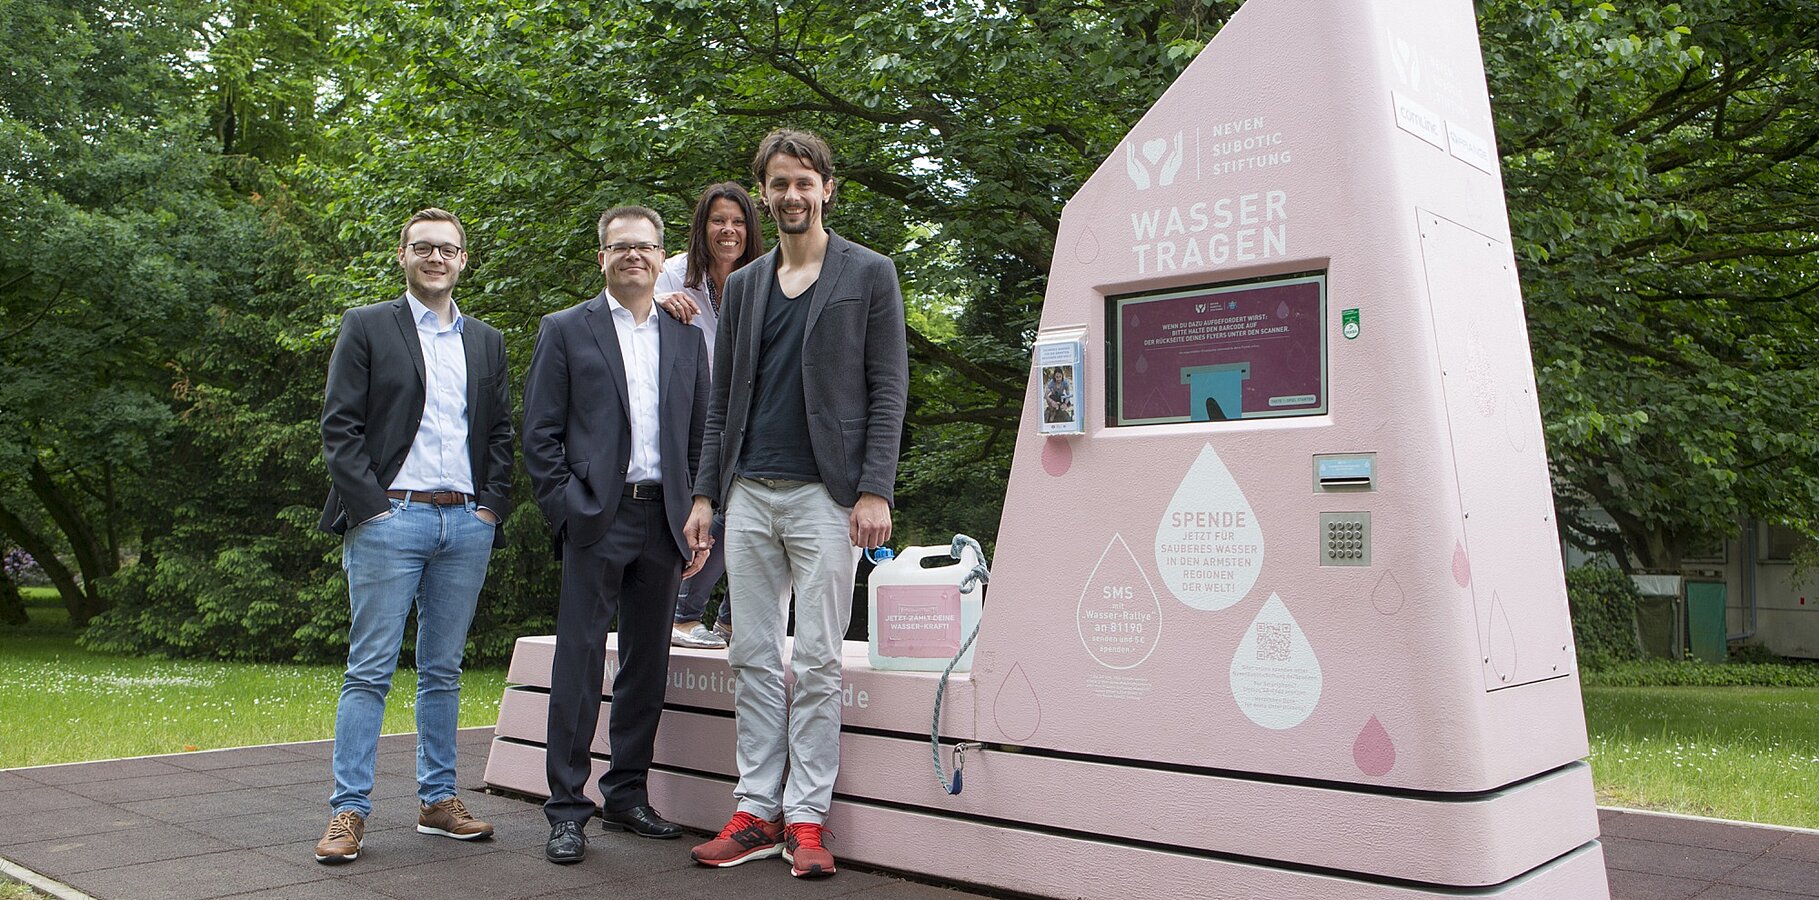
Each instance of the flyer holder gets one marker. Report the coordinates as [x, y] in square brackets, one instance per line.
[1286, 617]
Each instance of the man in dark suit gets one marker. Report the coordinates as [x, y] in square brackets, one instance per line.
[810, 381]
[614, 408]
[417, 435]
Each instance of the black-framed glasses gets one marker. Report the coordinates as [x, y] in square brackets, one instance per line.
[618, 247]
[423, 249]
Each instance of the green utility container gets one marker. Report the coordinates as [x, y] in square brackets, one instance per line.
[1705, 619]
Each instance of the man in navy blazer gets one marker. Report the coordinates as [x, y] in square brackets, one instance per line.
[811, 377]
[614, 408]
[417, 436]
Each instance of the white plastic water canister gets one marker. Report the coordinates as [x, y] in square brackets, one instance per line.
[918, 616]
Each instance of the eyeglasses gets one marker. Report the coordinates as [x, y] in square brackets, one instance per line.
[619, 247]
[423, 249]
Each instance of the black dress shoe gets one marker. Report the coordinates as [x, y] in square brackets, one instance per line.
[640, 820]
[567, 843]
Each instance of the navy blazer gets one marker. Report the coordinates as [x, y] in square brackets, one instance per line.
[578, 434]
[855, 372]
[373, 405]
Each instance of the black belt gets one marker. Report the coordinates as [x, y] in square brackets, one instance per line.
[433, 498]
[645, 490]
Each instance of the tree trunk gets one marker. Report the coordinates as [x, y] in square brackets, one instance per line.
[12, 606]
[74, 599]
[92, 557]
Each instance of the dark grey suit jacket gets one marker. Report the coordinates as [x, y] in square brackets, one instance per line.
[578, 433]
[374, 403]
[855, 372]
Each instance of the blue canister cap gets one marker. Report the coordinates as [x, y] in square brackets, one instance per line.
[880, 554]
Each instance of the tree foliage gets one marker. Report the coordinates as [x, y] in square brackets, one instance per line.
[190, 194]
[1661, 172]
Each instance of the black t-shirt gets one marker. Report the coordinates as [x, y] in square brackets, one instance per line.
[776, 436]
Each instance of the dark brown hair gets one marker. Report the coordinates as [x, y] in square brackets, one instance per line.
[700, 253]
[803, 145]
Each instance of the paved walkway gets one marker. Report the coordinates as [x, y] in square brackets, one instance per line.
[240, 823]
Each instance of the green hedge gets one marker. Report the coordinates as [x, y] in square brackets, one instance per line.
[1603, 602]
[1688, 673]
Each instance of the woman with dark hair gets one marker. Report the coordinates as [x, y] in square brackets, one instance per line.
[723, 236]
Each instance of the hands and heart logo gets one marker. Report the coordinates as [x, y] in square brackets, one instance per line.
[1152, 162]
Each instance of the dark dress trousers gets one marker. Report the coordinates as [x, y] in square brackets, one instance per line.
[620, 556]
[374, 405]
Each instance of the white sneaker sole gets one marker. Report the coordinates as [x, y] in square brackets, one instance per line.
[764, 853]
[425, 829]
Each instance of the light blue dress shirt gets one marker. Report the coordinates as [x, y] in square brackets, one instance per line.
[438, 460]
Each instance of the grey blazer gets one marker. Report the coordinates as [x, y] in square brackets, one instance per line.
[578, 433]
[374, 402]
[855, 372]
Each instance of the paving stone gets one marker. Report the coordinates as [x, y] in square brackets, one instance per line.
[1647, 886]
[176, 783]
[491, 876]
[1675, 860]
[206, 760]
[90, 772]
[1797, 846]
[13, 781]
[315, 890]
[124, 847]
[193, 877]
[1739, 892]
[94, 818]
[183, 809]
[1691, 832]
[272, 774]
[44, 799]
[1793, 876]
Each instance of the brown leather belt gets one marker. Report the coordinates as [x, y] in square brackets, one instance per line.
[433, 498]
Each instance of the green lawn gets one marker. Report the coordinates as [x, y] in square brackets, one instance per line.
[62, 703]
[1749, 753]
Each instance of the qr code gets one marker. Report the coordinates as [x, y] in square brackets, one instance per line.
[1272, 641]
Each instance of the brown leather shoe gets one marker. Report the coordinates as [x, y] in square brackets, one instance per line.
[341, 842]
[450, 818]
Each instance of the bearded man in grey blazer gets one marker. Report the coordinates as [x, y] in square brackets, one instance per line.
[811, 376]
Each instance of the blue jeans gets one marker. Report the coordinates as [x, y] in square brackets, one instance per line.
[691, 600]
[432, 557]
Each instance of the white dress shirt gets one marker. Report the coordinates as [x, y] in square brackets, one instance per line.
[670, 281]
[638, 346]
[438, 459]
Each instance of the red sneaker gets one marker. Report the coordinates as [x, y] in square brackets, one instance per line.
[744, 839]
[803, 851]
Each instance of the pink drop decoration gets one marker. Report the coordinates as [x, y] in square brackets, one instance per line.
[1057, 455]
[1373, 750]
[1462, 565]
[1016, 709]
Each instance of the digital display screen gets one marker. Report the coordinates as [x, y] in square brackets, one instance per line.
[1214, 353]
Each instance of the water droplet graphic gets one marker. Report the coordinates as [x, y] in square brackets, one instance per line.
[1015, 708]
[1276, 678]
[1209, 545]
[1373, 750]
[1143, 364]
[1282, 310]
[1057, 456]
[1086, 249]
[1119, 616]
[1502, 642]
[1462, 566]
[1387, 596]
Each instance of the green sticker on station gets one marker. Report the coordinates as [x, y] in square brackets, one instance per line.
[1348, 324]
